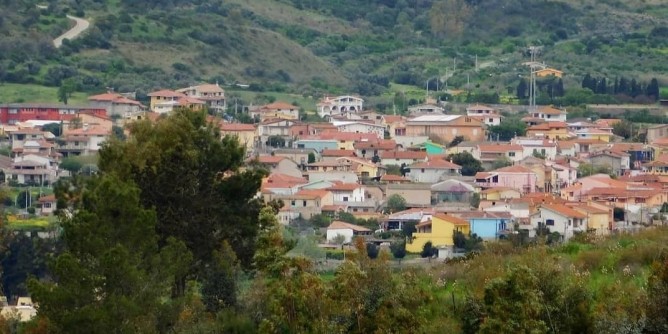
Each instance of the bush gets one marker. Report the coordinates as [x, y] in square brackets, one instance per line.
[590, 260]
[334, 255]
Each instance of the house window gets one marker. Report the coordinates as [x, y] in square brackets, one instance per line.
[549, 222]
[304, 203]
[422, 170]
[491, 120]
[292, 203]
[345, 198]
[47, 205]
[365, 174]
[511, 154]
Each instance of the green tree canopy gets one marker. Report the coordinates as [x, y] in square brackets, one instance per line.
[111, 277]
[396, 203]
[191, 176]
[509, 128]
[470, 165]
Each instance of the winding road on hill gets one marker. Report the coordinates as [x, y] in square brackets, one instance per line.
[80, 25]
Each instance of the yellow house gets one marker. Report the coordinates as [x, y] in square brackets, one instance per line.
[549, 130]
[245, 133]
[546, 72]
[363, 168]
[440, 230]
[595, 134]
[599, 216]
[163, 96]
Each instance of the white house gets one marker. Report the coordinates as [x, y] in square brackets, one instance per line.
[360, 127]
[486, 114]
[348, 231]
[347, 192]
[545, 147]
[559, 218]
[549, 114]
[212, 94]
[339, 105]
[433, 171]
[426, 109]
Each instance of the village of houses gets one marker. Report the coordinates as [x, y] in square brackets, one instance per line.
[341, 165]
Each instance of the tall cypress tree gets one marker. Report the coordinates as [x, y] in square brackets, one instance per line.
[653, 89]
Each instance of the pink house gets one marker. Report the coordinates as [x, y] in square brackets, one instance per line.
[516, 177]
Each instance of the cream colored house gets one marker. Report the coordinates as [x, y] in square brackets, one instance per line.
[245, 133]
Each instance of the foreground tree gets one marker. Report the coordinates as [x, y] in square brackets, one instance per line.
[111, 278]
[191, 176]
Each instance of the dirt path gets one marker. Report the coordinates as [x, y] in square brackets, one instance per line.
[80, 25]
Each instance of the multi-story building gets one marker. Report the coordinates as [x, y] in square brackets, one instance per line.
[21, 112]
[340, 105]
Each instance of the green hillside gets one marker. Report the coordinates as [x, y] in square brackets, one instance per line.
[314, 46]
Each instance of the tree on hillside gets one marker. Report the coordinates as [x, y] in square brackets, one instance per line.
[470, 165]
[66, 89]
[653, 89]
[395, 203]
[508, 129]
[112, 276]
[522, 88]
[311, 157]
[448, 18]
[192, 177]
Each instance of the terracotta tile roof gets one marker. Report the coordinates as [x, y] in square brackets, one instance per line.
[236, 127]
[500, 148]
[415, 155]
[586, 208]
[566, 144]
[436, 164]
[269, 159]
[548, 110]
[337, 153]
[339, 225]
[344, 187]
[393, 118]
[393, 178]
[205, 88]
[186, 100]
[663, 141]
[380, 145]
[47, 198]
[319, 193]
[166, 93]
[91, 130]
[564, 210]
[113, 97]
[548, 126]
[333, 208]
[451, 219]
[277, 180]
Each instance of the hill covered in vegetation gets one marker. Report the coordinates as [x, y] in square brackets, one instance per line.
[313, 46]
